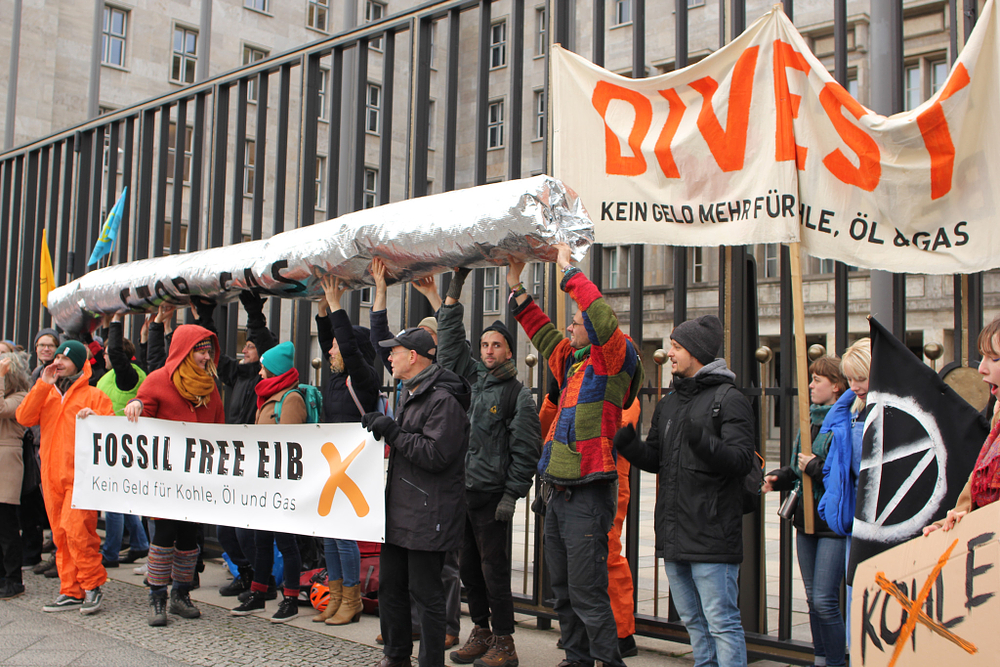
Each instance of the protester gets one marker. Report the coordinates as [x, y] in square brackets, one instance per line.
[821, 552]
[424, 496]
[983, 486]
[499, 469]
[277, 393]
[13, 388]
[46, 342]
[54, 402]
[183, 390]
[351, 391]
[599, 373]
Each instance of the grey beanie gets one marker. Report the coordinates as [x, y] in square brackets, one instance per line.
[702, 337]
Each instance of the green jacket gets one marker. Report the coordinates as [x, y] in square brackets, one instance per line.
[118, 396]
[503, 449]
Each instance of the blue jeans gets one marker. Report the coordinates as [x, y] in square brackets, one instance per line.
[819, 562]
[114, 525]
[343, 560]
[707, 598]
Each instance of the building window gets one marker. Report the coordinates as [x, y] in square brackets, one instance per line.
[939, 74]
[696, 3]
[913, 90]
[252, 55]
[539, 114]
[113, 36]
[374, 11]
[320, 182]
[432, 51]
[491, 290]
[185, 55]
[697, 262]
[827, 266]
[248, 166]
[431, 123]
[317, 13]
[172, 152]
[367, 296]
[324, 76]
[498, 44]
[258, 5]
[852, 86]
[370, 188]
[623, 12]
[537, 288]
[373, 108]
[771, 260]
[617, 262]
[541, 32]
[167, 235]
[494, 127]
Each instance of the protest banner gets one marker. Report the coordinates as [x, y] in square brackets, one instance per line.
[757, 143]
[932, 600]
[309, 479]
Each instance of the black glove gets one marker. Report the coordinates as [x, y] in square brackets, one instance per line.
[205, 308]
[624, 436]
[505, 508]
[252, 303]
[554, 391]
[382, 427]
[457, 282]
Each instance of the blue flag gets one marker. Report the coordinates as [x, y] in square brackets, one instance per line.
[109, 232]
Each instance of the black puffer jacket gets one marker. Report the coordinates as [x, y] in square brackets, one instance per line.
[359, 356]
[699, 508]
[425, 485]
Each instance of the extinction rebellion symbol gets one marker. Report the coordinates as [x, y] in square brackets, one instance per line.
[899, 488]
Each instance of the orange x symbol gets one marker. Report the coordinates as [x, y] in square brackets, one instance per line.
[339, 479]
[914, 612]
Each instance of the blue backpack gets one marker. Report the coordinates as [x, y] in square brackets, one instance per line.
[313, 399]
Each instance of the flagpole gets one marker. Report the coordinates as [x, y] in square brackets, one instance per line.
[802, 378]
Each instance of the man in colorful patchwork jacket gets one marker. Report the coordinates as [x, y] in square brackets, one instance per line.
[599, 373]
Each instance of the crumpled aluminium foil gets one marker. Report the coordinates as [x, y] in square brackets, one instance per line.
[476, 227]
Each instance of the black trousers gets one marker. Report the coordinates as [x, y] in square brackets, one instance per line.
[404, 572]
[10, 542]
[173, 533]
[486, 568]
[238, 543]
[32, 518]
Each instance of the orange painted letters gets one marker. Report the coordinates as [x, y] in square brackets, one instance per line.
[728, 146]
[786, 104]
[866, 175]
[663, 153]
[615, 162]
[937, 137]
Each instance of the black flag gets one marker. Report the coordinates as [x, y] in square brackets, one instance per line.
[921, 442]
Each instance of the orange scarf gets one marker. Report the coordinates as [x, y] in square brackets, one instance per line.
[194, 383]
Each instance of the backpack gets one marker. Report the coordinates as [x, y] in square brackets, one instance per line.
[313, 399]
[508, 402]
[750, 490]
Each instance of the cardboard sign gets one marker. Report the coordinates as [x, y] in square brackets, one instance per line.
[933, 600]
[309, 479]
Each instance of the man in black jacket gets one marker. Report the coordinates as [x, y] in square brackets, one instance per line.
[424, 495]
[701, 460]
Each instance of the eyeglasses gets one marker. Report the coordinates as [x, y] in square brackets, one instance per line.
[574, 324]
[48, 346]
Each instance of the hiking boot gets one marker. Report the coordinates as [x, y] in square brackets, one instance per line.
[386, 661]
[92, 601]
[11, 589]
[133, 555]
[476, 646]
[64, 603]
[181, 605]
[44, 566]
[157, 608]
[239, 584]
[500, 654]
[253, 604]
[271, 594]
[627, 647]
[287, 610]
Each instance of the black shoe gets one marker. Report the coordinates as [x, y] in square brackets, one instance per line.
[239, 584]
[48, 546]
[11, 589]
[287, 610]
[157, 608]
[44, 566]
[133, 555]
[271, 594]
[253, 604]
[181, 605]
[627, 647]
[108, 563]
[52, 573]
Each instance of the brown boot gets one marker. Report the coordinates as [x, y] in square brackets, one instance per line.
[336, 596]
[350, 607]
[501, 653]
[477, 645]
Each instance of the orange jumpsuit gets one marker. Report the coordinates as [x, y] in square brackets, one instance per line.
[78, 546]
[620, 588]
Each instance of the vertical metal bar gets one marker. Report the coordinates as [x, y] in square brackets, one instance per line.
[307, 215]
[7, 234]
[638, 39]
[227, 336]
[53, 222]
[14, 271]
[789, 7]
[197, 171]
[597, 53]
[680, 254]
[785, 403]
[516, 92]
[160, 209]
[281, 171]
[40, 217]
[482, 93]
[336, 89]
[361, 121]
[28, 312]
[259, 160]
[111, 180]
[96, 219]
[952, 31]
[83, 194]
[840, 274]
[421, 109]
[220, 141]
[177, 190]
[63, 265]
[385, 131]
[561, 26]
[144, 197]
[738, 18]
[451, 101]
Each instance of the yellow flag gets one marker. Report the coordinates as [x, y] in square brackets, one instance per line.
[47, 279]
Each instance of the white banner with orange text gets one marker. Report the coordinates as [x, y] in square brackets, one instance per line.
[757, 143]
[307, 479]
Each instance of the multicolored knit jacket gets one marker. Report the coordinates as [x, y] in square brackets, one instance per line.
[595, 383]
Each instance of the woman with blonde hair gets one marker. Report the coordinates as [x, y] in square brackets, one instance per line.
[14, 387]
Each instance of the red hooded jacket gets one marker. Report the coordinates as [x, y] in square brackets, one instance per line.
[159, 396]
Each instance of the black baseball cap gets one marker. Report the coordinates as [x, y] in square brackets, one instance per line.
[415, 339]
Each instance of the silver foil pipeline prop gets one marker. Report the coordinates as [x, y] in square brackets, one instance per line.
[476, 227]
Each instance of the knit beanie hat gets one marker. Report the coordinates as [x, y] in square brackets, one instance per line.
[501, 328]
[75, 351]
[702, 337]
[431, 323]
[47, 332]
[279, 359]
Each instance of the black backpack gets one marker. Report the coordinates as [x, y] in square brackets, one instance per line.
[750, 493]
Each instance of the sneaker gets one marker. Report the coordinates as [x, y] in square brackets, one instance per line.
[287, 610]
[92, 601]
[133, 555]
[500, 654]
[64, 603]
[11, 589]
[44, 566]
[181, 605]
[253, 604]
[477, 646]
[239, 584]
[141, 570]
[271, 594]
[157, 608]
[52, 573]
[108, 563]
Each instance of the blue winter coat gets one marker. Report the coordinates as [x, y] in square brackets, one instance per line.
[836, 507]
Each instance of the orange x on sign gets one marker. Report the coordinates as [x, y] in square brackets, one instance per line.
[340, 480]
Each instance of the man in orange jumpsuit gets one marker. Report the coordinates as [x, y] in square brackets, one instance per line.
[61, 394]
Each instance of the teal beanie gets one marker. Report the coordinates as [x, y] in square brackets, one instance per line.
[279, 359]
[75, 351]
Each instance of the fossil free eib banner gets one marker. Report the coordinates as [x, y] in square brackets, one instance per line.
[308, 479]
